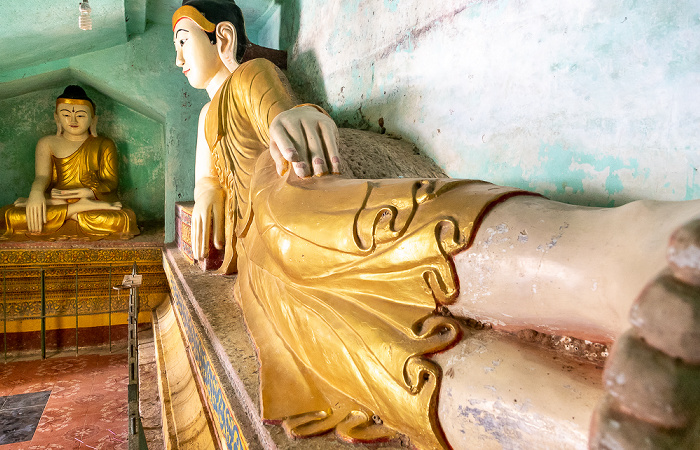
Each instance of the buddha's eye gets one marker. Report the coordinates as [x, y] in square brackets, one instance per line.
[182, 42]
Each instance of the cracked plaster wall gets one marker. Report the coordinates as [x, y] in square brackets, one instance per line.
[587, 102]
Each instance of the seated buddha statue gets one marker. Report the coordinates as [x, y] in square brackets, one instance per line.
[74, 193]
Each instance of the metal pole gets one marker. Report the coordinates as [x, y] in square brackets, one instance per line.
[43, 314]
[4, 310]
[109, 328]
[133, 364]
[76, 310]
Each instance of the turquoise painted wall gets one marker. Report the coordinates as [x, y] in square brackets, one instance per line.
[592, 103]
[146, 105]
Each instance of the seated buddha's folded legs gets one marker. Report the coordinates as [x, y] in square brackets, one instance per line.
[92, 223]
[15, 219]
[100, 223]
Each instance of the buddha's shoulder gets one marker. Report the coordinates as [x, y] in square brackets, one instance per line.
[250, 69]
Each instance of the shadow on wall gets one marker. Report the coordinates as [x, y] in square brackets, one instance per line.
[307, 83]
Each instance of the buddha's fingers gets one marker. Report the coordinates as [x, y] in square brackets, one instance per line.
[218, 227]
[329, 133]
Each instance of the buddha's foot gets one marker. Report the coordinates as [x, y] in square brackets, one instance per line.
[652, 376]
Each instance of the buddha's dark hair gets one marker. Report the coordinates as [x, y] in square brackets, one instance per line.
[75, 92]
[217, 11]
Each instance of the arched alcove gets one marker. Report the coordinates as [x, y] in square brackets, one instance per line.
[140, 140]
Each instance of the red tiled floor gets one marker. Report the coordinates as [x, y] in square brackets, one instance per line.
[87, 407]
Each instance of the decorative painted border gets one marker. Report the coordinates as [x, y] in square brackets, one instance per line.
[225, 420]
[183, 228]
[79, 256]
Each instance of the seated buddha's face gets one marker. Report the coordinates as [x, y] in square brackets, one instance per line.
[74, 119]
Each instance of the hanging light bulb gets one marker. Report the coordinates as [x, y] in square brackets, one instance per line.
[84, 21]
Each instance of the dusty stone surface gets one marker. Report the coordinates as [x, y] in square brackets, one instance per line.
[368, 155]
[667, 316]
[149, 397]
[651, 385]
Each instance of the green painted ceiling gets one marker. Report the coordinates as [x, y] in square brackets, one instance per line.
[47, 30]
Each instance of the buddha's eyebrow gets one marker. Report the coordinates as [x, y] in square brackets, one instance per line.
[180, 29]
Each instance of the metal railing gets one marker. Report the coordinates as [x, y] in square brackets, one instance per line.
[24, 286]
[137, 439]
[36, 283]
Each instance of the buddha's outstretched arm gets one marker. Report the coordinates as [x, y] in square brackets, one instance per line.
[36, 203]
[303, 135]
[307, 138]
[208, 198]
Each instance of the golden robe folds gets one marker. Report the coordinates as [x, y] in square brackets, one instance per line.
[93, 165]
[340, 280]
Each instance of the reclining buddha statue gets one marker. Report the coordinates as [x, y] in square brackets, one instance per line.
[74, 193]
[348, 286]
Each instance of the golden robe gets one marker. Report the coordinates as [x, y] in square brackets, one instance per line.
[341, 281]
[93, 165]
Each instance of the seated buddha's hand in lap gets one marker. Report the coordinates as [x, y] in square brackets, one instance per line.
[36, 211]
[208, 205]
[306, 138]
[72, 193]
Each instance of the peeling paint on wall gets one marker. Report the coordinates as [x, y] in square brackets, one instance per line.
[591, 103]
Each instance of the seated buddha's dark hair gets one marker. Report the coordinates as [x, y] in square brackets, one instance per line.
[75, 92]
[217, 11]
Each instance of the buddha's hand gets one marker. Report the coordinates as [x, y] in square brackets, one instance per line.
[306, 138]
[208, 208]
[72, 193]
[36, 211]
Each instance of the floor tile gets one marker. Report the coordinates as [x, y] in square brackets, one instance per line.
[87, 406]
[19, 424]
[23, 400]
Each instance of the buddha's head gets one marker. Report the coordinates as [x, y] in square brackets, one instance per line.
[209, 35]
[75, 113]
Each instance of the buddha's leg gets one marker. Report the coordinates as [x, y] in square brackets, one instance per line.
[16, 219]
[101, 223]
[565, 269]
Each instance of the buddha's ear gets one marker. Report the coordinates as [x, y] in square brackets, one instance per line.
[59, 128]
[226, 44]
[93, 126]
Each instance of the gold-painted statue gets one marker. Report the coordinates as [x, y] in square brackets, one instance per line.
[74, 193]
[345, 284]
